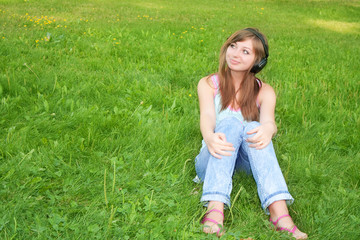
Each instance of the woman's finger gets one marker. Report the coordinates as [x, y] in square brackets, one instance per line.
[258, 144]
[222, 136]
[252, 131]
[223, 141]
[262, 144]
[225, 144]
[253, 139]
[215, 155]
[220, 154]
[225, 153]
[226, 147]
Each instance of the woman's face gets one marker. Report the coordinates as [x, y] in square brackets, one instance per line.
[240, 56]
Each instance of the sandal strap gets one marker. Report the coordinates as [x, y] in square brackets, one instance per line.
[288, 230]
[213, 221]
[276, 222]
[215, 210]
[210, 220]
[282, 228]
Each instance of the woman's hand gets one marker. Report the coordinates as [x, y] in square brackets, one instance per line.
[263, 136]
[217, 145]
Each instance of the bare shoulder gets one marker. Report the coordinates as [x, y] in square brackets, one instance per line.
[206, 81]
[266, 93]
[206, 84]
[206, 92]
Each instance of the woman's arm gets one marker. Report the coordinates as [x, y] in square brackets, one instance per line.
[216, 142]
[267, 129]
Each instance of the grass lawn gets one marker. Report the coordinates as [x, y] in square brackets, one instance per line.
[99, 118]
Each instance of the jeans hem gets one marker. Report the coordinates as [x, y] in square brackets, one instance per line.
[277, 197]
[215, 197]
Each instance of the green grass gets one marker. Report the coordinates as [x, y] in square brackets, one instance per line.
[99, 118]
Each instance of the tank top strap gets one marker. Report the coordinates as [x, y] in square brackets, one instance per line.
[215, 80]
[259, 82]
[257, 100]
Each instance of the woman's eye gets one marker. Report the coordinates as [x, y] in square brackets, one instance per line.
[246, 51]
[232, 45]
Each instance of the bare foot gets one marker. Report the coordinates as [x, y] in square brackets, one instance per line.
[285, 223]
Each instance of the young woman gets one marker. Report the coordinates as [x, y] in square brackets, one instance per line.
[237, 124]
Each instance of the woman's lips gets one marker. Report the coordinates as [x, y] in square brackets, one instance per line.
[234, 62]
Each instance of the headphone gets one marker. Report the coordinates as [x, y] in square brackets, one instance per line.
[260, 65]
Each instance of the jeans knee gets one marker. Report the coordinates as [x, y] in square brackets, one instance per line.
[232, 122]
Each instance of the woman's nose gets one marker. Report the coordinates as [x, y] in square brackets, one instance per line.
[237, 53]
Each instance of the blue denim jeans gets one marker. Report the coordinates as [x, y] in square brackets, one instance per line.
[262, 164]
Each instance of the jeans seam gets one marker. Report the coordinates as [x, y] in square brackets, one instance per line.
[251, 159]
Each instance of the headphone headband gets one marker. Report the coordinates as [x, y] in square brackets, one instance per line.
[258, 35]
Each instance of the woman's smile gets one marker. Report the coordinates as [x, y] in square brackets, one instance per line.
[234, 62]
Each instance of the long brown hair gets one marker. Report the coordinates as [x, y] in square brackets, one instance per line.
[249, 88]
